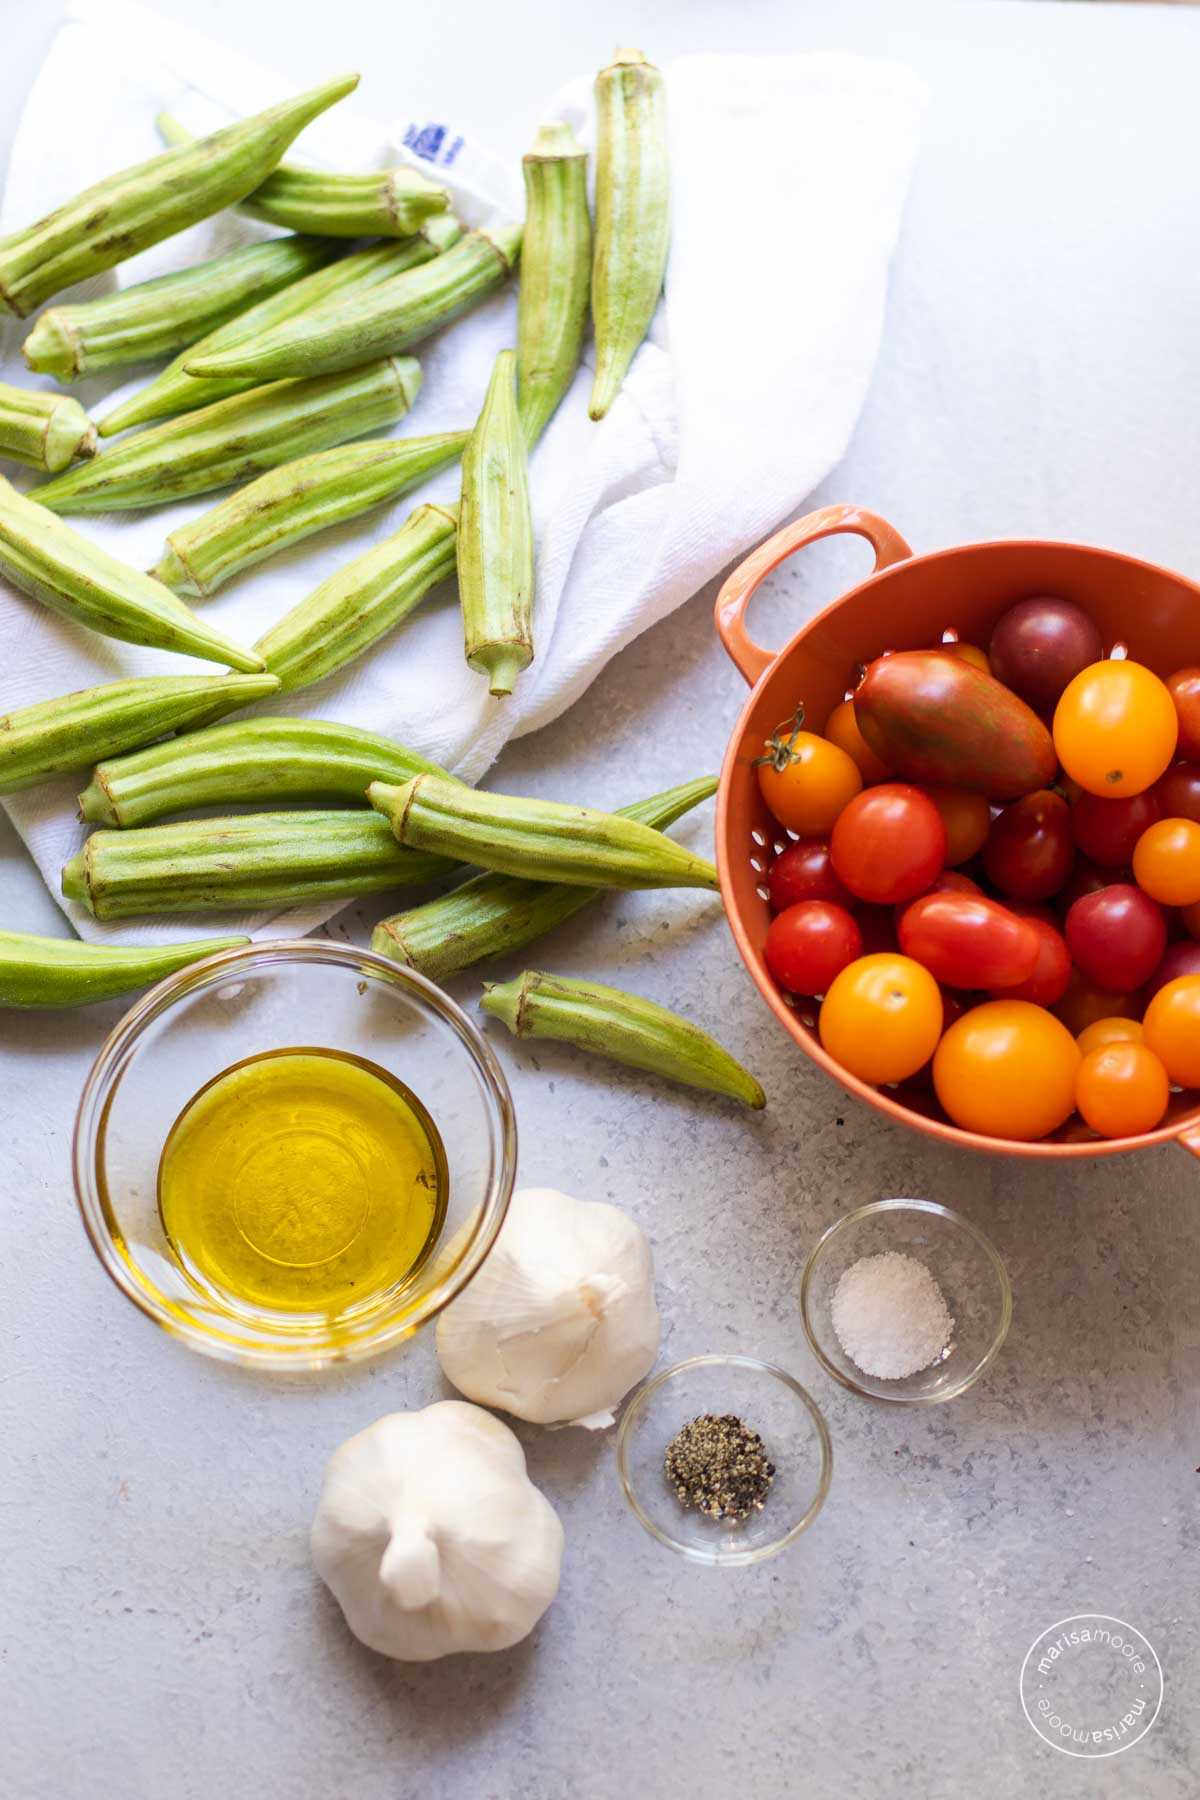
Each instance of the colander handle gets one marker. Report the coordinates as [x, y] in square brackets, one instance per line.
[735, 596]
[1190, 1139]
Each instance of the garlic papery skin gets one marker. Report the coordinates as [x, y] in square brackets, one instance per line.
[432, 1537]
[560, 1321]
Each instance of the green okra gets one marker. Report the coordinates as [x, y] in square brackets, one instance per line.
[56, 736]
[353, 608]
[175, 391]
[632, 216]
[127, 212]
[621, 1026]
[57, 565]
[259, 860]
[391, 316]
[290, 503]
[43, 431]
[556, 275]
[495, 537]
[492, 915]
[46, 972]
[252, 760]
[168, 313]
[234, 439]
[541, 839]
[386, 203]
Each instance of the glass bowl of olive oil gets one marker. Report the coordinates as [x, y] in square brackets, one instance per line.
[294, 1154]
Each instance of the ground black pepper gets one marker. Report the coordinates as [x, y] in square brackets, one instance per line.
[719, 1466]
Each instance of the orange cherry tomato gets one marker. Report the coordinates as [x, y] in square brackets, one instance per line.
[1115, 728]
[882, 1018]
[1108, 1031]
[1191, 920]
[1007, 1069]
[1084, 1003]
[841, 728]
[1121, 1090]
[967, 818]
[806, 780]
[970, 653]
[1166, 862]
[1172, 1029]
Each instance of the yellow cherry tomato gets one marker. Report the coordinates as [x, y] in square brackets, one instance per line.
[1166, 862]
[806, 780]
[1108, 1031]
[1115, 728]
[1121, 1090]
[882, 1017]
[1171, 1029]
[967, 818]
[841, 728]
[969, 653]
[1007, 1069]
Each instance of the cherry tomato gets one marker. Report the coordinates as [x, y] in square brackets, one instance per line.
[1166, 862]
[1178, 793]
[1115, 729]
[1172, 1029]
[967, 818]
[1108, 1031]
[809, 944]
[1184, 689]
[1041, 644]
[1029, 853]
[882, 1018]
[1108, 830]
[967, 941]
[1179, 959]
[804, 872]
[1007, 1069]
[806, 780]
[1086, 878]
[950, 881]
[1052, 970]
[1122, 1089]
[1117, 937]
[841, 728]
[1084, 1003]
[889, 844]
[970, 653]
[878, 927]
[1191, 920]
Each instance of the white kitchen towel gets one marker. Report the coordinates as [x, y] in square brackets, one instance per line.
[788, 181]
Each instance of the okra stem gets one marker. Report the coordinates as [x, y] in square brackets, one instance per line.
[43, 431]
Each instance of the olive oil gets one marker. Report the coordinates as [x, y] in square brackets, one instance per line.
[303, 1180]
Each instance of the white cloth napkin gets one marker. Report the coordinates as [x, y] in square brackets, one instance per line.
[788, 177]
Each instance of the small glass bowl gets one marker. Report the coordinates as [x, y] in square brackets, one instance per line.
[274, 996]
[770, 1402]
[961, 1260]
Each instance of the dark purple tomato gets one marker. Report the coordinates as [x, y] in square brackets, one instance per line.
[1029, 849]
[1052, 970]
[1107, 830]
[1117, 937]
[1179, 959]
[1040, 645]
[1178, 792]
[804, 872]
[809, 944]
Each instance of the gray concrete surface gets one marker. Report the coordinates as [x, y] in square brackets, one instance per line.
[161, 1632]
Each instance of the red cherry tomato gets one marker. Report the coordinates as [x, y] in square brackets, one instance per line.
[1107, 830]
[1184, 689]
[889, 843]
[967, 941]
[1179, 959]
[1029, 852]
[1178, 792]
[810, 944]
[1039, 645]
[1051, 972]
[950, 881]
[1117, 937]
[1084, 1003]
[804, 872]
[1086, 878]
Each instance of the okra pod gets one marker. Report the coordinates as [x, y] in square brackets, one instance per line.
[234, 439]
[53, 972]
[495, 537]
[127, 212]
[260, 860]
[492, 915]
[556, 275]
[252, 760]
[175, 391]
[632, 216]
[291, 503]
[541, 839]
[621, 1026]
[43, 431]
[56, 736]
[55, 564]
[353, 608]
[172, 311]
[388, 317]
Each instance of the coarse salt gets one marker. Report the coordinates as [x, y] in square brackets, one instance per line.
[890, 1315]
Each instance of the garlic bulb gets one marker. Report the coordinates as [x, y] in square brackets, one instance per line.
[560, 1321]
[432, 1536]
